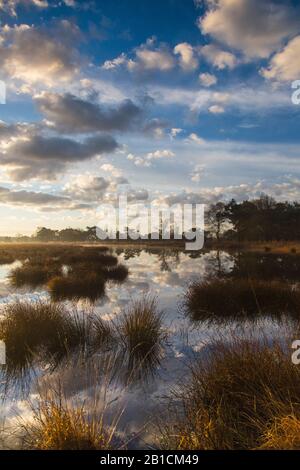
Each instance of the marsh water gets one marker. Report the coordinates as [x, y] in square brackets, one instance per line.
[165, 274]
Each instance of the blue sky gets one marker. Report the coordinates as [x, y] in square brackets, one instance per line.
[180, 100]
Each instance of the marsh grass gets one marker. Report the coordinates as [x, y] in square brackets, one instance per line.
[283, 433]
[59, 426]
[43, 332]
[63, 422]
[42, 265]
[83, 284]
[237, 399]
[142, 335]
[49, 334]
[33, 275]
[240, 298]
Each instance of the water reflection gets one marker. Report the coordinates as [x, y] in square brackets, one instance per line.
[167, 275]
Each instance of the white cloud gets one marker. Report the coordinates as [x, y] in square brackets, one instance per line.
[157, 59]
[218, 58]
[285, 65]
[216, 109]
[175, 131]
[195, 138]
[146, 160]
[187, 59]
[38, 56]
[207, 79]
[115, 63]
[160, 154]
[197, 173]
[255, 27]
[9, 6]
[109, 168]
[86, 187]
[243, 98]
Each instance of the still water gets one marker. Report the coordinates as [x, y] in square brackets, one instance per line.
[166, 275]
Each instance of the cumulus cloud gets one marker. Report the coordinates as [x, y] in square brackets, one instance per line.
[194, 138]
[39, 156]
[218, 58]
[147, 159]
[216, 109]
[255, 27]
[287, 189]
[115, 63]
[197, 173]
[35, 55]
[160, 154]
[156, 127]
[207, 79]
[87, 187]
[187, 58]
[285, 65]
[147, 57]
[10, 6]
[68, 113]
[175, 131]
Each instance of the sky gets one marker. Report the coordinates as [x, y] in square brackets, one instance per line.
[172, 101]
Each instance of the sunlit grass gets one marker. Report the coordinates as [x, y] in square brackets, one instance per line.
[43, 331]
[237, 398]
[142, 335]
[62, 423]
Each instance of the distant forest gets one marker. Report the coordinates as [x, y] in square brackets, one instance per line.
[261, 219]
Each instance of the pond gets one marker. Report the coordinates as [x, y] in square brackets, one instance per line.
[164, 274]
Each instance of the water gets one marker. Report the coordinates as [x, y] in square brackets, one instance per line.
[166, 275]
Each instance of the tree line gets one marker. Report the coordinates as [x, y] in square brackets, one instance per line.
[261, 219]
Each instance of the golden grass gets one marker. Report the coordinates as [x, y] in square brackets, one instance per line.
[282, 434]
[142, 335]
[234, 400]
[60, 422]
[40, 330]
[58, 426]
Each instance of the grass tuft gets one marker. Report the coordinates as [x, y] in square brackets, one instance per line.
[240, 298]
[234, 400]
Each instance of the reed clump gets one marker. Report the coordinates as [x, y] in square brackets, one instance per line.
[221, 299]
[239, 398]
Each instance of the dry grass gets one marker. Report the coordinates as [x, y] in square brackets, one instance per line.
[48, 334]
[59, 426]
[142, 335]
[240, 298]
[88, 285]
[40, 331]
[32, 275]
[61, 422]
[282, 434]
[235, 401]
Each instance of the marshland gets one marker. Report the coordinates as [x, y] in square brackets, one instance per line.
[192, 352]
